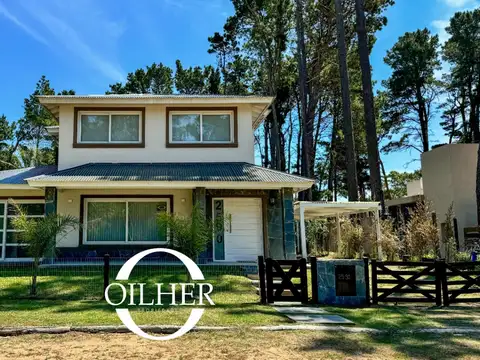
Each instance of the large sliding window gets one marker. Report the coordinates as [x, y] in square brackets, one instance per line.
[12, 247]
[124, 221]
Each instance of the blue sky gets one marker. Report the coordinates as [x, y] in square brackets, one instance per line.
[87, 44]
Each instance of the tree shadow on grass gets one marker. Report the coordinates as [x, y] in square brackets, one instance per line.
[347, 345]
[410, 317]
[431, 346]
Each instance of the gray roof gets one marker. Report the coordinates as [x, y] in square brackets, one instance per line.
[206, 172]
[18, 176]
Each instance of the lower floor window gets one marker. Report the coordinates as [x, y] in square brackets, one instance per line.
[130, 220]
[11, 246]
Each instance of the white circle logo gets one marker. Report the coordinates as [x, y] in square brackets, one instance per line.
[195, 274]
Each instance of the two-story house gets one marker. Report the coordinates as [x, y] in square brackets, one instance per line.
[122, 159]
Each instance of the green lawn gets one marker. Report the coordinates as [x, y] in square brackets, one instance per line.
[73, 297]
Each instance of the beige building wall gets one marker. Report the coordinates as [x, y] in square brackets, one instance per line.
[27, 192]
[68, 202]
[155, 142]
[449, 176]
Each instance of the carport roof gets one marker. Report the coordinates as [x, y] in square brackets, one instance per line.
[316, 209]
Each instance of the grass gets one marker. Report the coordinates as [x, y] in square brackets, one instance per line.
[72, 296]
[242, 344]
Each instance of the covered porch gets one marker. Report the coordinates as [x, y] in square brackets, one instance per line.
[118, 205]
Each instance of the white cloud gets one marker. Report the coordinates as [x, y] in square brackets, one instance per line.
[439, 26]
[4, 11]
[78, 29]
[458, 3]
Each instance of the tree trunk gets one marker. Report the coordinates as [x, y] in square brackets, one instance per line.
[478, 185]
[422, 118]
[333, 161]
[289, 144]
[299, 140]
[275, 139]
[307, 138]
[351, 165]
[368, 104]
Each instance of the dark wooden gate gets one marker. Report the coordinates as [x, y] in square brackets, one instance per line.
[283, 280]
[407, 282]
[462, 278]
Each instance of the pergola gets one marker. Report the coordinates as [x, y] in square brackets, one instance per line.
[308, 210]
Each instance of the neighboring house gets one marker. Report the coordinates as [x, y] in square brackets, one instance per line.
[401, 208]
[449, 175]
[122, 159]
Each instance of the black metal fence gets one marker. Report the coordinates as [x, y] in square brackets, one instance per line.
[87, 278]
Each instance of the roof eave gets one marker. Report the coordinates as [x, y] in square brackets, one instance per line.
[39, 182]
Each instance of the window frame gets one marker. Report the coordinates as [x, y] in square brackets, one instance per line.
[125, 200]
[232, 111]
[5, 216]
[77, 132]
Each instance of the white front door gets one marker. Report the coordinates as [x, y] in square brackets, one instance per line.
[243, 231]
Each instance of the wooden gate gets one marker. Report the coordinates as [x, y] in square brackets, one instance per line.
[278, 280]
[407, 282]
[462, 278]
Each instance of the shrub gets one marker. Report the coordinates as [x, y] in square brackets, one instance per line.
[317, 236]
[351, 239]
[189, 234]
[40, 236]
[421, 235]
[389, 240]
[449, 236]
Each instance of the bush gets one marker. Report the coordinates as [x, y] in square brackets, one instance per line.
[389, 240]
[449, 240]
[421, 235]
[351, 240]
[317, 236]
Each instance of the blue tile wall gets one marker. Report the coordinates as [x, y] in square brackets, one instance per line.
[326, 283]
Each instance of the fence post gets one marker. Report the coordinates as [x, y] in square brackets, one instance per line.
[314, 279]
[303, 280]
[439, 279]
[367, 280]
[106, 272]
[261, 279]
[269, 280]
[374, 282]
[446, 301]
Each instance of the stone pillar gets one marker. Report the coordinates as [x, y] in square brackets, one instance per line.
[50, 200]
[275, 225]
[288, 224]
[199, 198]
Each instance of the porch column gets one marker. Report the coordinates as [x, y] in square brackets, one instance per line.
[289, 224]
[303, 236]
[200, 198]
[50, 200]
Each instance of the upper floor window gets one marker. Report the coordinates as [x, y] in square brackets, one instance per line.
[109, 127]
[202, 127]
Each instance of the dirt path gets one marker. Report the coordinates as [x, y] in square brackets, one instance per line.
[234, 345]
